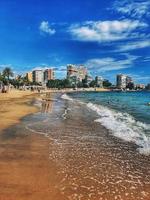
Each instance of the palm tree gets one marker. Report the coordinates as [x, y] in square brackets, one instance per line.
[7, 73]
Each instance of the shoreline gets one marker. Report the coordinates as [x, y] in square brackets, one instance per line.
[70, 90]
[16, 104]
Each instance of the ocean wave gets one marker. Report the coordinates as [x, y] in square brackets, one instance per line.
[66, 97]
[124, 126]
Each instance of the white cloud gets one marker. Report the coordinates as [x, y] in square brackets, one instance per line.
[140, 77]
[134, 45]
[43, 67]
[146, 59]
[105, 31]
[46, 66]
[45, 28]
[39, 68]
[4, 66]
[132, 8]
[61, 68]
[110, 64]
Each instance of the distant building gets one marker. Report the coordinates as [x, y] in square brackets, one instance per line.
[121, 81]
[140, 86]
[87, 80]
[148, 86]
[38, 76]
[128, 80]
[17, 77]
[29, 76]
[99, 81]
[71, 70]
[76, 74]
[124, 81]
[129, 83]
[82, 72]
[49, 75]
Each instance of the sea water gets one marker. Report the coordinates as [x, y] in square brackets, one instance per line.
[125, 114]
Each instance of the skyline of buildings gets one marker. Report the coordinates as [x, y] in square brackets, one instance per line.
[40, 75]
[79, 76]
[77, 73]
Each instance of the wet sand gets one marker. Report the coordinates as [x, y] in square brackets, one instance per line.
[61, 153]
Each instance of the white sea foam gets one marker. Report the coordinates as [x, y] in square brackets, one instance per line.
[66, 97]
[124, 126]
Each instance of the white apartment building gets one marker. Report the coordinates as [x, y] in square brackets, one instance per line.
[38, 76]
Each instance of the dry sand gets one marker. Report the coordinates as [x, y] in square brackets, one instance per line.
[15, 105]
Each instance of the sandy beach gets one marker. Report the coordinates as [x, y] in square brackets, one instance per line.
[24, 163]
[24, 158]
[59, 153]
[15, 105]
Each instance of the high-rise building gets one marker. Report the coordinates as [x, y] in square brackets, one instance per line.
[76, 73]
[71, 70]
[124, 81]
[49, 75]
[129, 80]
[99, 81]
[29, 76]
[82, 72]
[38, 76]
[121, 81]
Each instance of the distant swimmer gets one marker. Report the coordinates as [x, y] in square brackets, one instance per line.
[148, 103]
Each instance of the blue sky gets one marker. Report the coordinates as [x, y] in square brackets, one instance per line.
[108, 36]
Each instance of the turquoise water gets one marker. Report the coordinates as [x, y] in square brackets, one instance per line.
[125, 114]
[134, 103]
